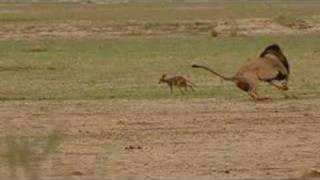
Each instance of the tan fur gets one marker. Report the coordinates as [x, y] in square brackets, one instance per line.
[178, 81]
[271, 66]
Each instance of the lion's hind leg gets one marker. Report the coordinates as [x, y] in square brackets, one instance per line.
[251, 87]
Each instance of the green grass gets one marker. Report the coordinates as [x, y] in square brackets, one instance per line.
[130, 68]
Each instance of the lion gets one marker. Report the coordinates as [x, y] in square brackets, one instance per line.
[270, 66]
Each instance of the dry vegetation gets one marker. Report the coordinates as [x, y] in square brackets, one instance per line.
[79, 93]
[39, 21]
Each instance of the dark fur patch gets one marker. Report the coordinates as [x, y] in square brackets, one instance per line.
[243, 85]
[271, 48]
[278, 77]
[276, 50]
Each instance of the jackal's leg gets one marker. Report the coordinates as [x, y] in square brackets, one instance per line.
[191, 87]
[171, 89]
[185, 88]
[181, 90]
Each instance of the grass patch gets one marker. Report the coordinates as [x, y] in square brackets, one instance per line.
[130, 68]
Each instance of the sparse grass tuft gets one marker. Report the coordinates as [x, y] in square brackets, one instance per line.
[214, 33]
[234, 30]
[23, 152]
[293, 23]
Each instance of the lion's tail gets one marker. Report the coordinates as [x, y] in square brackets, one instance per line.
[213, 72]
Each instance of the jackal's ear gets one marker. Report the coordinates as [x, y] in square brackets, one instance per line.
[163, 75]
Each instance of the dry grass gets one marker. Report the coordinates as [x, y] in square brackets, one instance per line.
[44, 21]
[28, 153]
[293, 23]
[154, 12]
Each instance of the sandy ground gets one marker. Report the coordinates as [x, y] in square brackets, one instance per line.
[199, 138]
[221, 27]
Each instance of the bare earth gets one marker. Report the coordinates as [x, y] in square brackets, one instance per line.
[172, 138]
[222, 27]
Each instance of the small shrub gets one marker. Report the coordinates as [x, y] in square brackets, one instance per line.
[234, 29]
[214, 33]
[292, 22]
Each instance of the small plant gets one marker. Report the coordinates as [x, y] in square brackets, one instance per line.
[151, 25]
[292, 22]
[214, 33]
[23, 152]
[234, 29]
[284, 21]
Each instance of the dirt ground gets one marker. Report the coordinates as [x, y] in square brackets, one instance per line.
[199, 138]
[221, 27]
